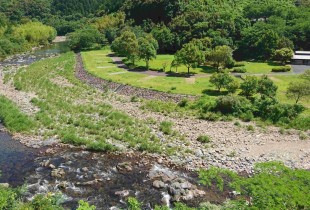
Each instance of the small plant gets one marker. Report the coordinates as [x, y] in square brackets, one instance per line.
[237, 123]
[166, 127]
[302, 136]
[204, 139]
[173, 88]
[183, 102]
[134, 99]
[250, 128]
[85, 206]
[133, 204]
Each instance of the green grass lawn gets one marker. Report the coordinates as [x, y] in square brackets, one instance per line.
[161, 60]
[260, 67]
[179, 85]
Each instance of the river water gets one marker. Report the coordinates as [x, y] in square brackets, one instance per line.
[105, 180]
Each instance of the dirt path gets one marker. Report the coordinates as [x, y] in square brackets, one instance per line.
[232, 146]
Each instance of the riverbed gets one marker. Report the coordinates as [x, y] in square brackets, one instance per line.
[105, 180]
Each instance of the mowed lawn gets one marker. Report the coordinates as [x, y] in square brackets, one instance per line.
[162, 61]
[100, 64]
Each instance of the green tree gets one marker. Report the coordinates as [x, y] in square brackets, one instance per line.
[249, 87]
[190, 56]
[298, 90]
[220, 56]
[283, 55]
[87, 38]
[126, 45]
[266, 87]
[148, 47]
[221, 80]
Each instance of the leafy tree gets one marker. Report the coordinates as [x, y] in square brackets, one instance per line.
[298, 90]
[266, 87]
[86, 38]
[165, 38]
[222, 80]
[148, 47]
[233, 86]
[283, 55]
[249, 87]
[190, 56]
[220, 55]
[126, 45]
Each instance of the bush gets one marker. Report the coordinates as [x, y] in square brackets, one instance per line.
[183, 102]
[239, 70]
[166, 127]
[239, 64]
[87, 38]
[204, 139]
[247, 116]
[235, 105]
[281, 69]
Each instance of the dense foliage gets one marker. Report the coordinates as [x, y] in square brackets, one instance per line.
[253, 29]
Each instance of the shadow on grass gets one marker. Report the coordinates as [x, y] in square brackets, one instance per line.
[212, 92]
[208, 69]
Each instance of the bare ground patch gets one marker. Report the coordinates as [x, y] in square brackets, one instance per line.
[20, 98]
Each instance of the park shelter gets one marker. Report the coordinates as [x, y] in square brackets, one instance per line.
[301, 58]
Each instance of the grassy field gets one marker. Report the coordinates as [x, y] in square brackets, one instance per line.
[161, 60]
[100, 65]
[167, 84]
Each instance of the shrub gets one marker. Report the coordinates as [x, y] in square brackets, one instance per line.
[166, 127]
[204, 139]
[183, 102]
[247, 116]
[235, 105]
[281, 69]
[239, 70]
[210, 116]
[239, 64]
[85, 206]
[233, 86]
[133, 204]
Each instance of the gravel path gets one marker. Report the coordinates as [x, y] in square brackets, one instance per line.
[232, 146]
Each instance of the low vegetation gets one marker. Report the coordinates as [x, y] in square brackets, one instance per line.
[272, 186]
[12, 118]
[76, 113]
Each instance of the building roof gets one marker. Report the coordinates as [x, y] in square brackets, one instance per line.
[301, 57]
[302, 52]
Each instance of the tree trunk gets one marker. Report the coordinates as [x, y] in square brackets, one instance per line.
[147, 64]
[188, 70]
